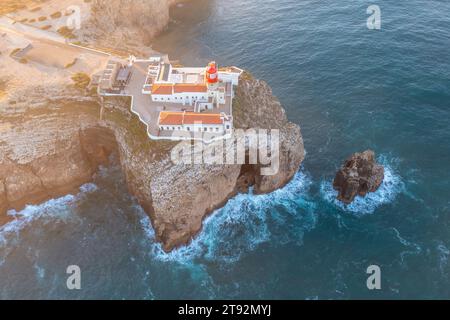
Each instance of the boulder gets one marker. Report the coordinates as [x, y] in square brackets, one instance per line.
[359, 175]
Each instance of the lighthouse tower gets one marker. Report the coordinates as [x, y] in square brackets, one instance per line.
[212, 76]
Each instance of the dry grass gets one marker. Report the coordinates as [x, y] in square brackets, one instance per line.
[136, 132]
[9, 6]
[43, 18]
[56, 15]
[81, 80]
[46, 27]
[69, 65]
[66, 33]
[14, 51]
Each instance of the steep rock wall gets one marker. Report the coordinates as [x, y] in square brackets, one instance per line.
[178, 196]
[115, 22]
[50, 152]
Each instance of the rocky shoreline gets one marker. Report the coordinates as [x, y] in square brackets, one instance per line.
[53, 150]
[52, 139]
[44, 156]
[115, 23]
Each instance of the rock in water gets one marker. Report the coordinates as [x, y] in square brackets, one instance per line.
[359, 175]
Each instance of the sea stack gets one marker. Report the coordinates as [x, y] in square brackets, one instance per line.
[359, 175]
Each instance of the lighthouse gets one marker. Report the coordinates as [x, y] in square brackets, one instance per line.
[212, 76]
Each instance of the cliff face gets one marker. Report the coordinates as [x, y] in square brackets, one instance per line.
[121, 21]
[51, 153]
[256, 107]
[43, 153]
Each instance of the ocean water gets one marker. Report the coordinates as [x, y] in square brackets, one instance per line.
[349, 88]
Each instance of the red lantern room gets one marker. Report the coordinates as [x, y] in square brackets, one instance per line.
[212, 74]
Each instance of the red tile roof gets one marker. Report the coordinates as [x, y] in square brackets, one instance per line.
[163, 89]
[207, 118]
[179, 118]
[190, 87]
[170, 118]
[169, 89]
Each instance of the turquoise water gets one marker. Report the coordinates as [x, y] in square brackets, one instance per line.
[349, 88]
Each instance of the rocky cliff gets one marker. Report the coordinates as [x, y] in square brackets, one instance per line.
[50, 151]
[359, 175]
[134, 23]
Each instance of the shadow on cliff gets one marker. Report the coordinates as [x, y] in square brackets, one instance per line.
[66, 163]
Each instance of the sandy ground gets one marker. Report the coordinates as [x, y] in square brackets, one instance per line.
[49, 62]
[50, 56]
[35, 12]
[3, 84]
[10, 6]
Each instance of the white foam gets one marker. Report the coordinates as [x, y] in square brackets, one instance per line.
[40, 271]
[443, 254]
[51, 209]
[247, 222]
[88, 188]
[413, 248]
[391, 186]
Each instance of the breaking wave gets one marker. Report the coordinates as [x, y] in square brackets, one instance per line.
[50, 210]
[247, 222]
[443, 253]
[391, 186]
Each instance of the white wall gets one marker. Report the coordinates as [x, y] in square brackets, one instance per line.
[212, 128]
[185, 98]
[229, 77]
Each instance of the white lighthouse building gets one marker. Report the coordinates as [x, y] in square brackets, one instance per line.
[204, 94]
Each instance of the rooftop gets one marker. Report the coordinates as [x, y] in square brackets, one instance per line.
[188, 87]
[124, 74]
[179, 118]
[163, 89]
[169, 89]
[171, 118]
